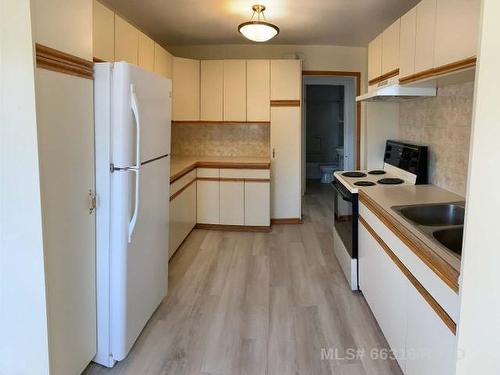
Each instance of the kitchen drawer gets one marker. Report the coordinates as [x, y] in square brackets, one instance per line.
[207, 172]
[245, 173]
[181, 182]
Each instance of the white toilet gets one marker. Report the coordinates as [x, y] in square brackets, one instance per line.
[327, 173]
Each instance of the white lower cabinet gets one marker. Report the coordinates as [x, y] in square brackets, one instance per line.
[232, 205]
[182, 217]
[421, 341]
[257, 203]
[207, 202]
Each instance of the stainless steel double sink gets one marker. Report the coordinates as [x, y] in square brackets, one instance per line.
[442, 223]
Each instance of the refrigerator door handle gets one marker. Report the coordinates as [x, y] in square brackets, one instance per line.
[137, 168]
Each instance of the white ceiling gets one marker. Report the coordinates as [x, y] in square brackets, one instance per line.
[334, 22]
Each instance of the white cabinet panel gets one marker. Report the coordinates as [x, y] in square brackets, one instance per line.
[390, 47]
[232, 206]
[103, 29]
[384, 287]
[457, 26]
[407, 41]
[286, 162]
[245, 173]
[211, 90]
[126, 41]
[182, 217]
[235, 90]
[286, 79]
[425, 35]
[375, 58]
[185, 89]
[257, 203]
[430, 345]
[146, 52]
[258, 90]
[207, 202]
[163, 61]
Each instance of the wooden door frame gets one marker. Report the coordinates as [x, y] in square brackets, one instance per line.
[357, 76]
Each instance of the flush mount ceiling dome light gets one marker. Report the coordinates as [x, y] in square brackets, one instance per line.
[257, 30]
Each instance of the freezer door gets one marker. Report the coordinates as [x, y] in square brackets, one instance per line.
[153, 94]
[138, 278]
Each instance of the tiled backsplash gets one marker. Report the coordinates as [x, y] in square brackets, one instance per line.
[444, 124]
[250, 140]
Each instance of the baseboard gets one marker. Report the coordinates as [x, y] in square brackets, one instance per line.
[234, 228]
[287, 220]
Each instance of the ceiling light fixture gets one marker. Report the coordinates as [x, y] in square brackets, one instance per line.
[257, 30]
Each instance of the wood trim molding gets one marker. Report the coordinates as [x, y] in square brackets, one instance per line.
[383, 77]
[443, 69]
[442, 269]
[200, 122]
[285, 103]
[236, 228]
[219, 165]
[357, 76]
[98, 60]
[283, 221]
[179, 192]
[61, 62]
[443, 315]
[233, 179]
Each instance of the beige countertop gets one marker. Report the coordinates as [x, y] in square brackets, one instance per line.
[180, 165]
[386, 197]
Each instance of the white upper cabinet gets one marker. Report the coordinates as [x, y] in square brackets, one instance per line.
[258, 90]
[163, 61]
[235, 101]
[185, 89]
[286, 79]
[211, 90]
[407, 38]
[375, 58]
[390, 48]
[103, 32]
[457, 25]
[146, 52]
[126, 41]
[425, 37]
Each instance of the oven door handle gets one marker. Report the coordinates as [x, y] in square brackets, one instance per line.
[346, 198]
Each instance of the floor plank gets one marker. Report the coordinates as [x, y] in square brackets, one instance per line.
[259, 303]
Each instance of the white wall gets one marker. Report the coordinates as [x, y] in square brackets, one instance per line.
[479, 328]
[23, 320]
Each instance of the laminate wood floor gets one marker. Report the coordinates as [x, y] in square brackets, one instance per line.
[260, 303]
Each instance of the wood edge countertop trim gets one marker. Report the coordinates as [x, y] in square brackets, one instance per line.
[288, 220]
[443, 69]
[233, 179]
[201, 122]
[285, 103]
[179, 192]
[443, 315]
[218, 165]
[62, 62]
[236, 228]
[444, 271]
[383, 77]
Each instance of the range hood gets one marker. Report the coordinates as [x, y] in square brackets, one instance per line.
[391, 91]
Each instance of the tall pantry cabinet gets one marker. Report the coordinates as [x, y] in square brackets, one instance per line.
[286, 93]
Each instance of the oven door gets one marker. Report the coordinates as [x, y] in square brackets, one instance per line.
[345, 217]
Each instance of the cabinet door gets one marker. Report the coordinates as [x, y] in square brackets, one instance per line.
[103, 35]
[207, 196]
[425, 37]
[407, 40]
[258, 90]
[163, 61]
[235, 90]
[286, 79]
[384, 287]
[285, 162]
[182, 217]
[126, 41]
[212, 82]
[257, 203]
[232, 204]
[457, 25]
[430, 345]
[185, 89]
[390, 48]
[146, 54]
[375, 58]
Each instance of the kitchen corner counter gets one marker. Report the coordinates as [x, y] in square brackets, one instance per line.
[180, 165]
[380, 201]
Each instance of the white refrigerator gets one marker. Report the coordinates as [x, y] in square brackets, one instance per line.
[132, 141]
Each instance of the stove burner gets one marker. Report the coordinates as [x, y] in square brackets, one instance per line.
[364, 183]
[354, 174]
[377, 171]
[390, 181]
